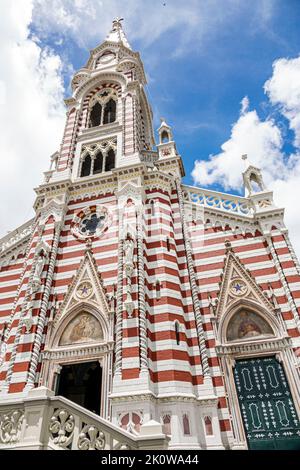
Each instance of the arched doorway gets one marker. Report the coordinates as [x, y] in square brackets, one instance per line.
[78, 356]
[261, 384]
[81, 383]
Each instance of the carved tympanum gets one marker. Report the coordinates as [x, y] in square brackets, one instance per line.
[246, 324]
[84, 328]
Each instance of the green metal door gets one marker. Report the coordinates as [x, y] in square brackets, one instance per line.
[266, 404]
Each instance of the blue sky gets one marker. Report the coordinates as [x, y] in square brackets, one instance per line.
[224, 73]
[198, 86]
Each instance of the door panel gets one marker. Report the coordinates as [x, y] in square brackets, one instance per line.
[267, 408]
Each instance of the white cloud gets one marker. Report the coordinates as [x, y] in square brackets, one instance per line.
[245, 105]
[31, 112]
[260, 140]
[263, 142]
[88, 21]
[283, 89]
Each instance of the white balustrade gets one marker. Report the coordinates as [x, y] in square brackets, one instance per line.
[216, 200]
[44, 421]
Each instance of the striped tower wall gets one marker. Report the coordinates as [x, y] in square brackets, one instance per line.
[173, 367]
[20, 343]
[77, 120]
[10, 284]
[254, 254]
[68, 141]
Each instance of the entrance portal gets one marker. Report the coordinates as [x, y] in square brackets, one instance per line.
[81, 383]
[267, 407]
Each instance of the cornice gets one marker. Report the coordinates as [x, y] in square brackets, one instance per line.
[86, 350]
[264, 345]
[163, 398]
[99, 132]
[168, 161]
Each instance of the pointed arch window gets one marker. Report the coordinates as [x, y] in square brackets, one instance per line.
[186, 425]
[103, 108]
[95, 115]
[166, 424]
[98, 163]
[98, 157]
[177, 332]
[110, 160]
[208, 426]
[86, 166]
[109, 112]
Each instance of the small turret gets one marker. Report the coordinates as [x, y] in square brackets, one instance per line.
[255, 188]
[166, 146]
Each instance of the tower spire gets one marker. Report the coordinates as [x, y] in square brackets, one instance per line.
[117, 34]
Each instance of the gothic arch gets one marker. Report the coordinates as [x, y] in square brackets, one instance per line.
[100, 349]
[101, 78]
[253, 307]
[71, 315]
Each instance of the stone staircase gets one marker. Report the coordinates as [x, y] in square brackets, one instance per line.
[44, 421]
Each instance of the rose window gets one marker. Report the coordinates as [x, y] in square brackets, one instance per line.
[91, 224]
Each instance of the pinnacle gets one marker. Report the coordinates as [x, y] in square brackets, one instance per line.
[117, 34]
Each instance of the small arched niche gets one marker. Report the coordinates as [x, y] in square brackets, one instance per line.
[246, 325]
[255, 183]
[83, 328]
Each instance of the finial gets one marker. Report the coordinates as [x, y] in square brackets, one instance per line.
[246, 160]
[228, 245]
[88, 245]
[117, 22]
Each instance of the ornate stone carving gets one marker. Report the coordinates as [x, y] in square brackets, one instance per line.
[128, 253]
[237, 283]
[84, 328]
[10, 426]
[91, 438]
[16, 236]
[238, 288]
[28, 320]
[61, 427]
[84, 290]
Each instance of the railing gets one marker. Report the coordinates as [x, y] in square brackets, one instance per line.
[16, 236]
[149, 157]
[215, 200]
[50, 422]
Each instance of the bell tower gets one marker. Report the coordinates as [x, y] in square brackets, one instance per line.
[109, 119]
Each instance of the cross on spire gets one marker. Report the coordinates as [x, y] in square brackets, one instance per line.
[117, 34]
[117, 21]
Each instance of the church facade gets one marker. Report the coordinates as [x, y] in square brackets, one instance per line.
[144, 300]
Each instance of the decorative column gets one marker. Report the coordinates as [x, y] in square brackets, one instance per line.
[37, 342]
[194, 288]
[119, 307]
[142, 302]
[285, 285]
